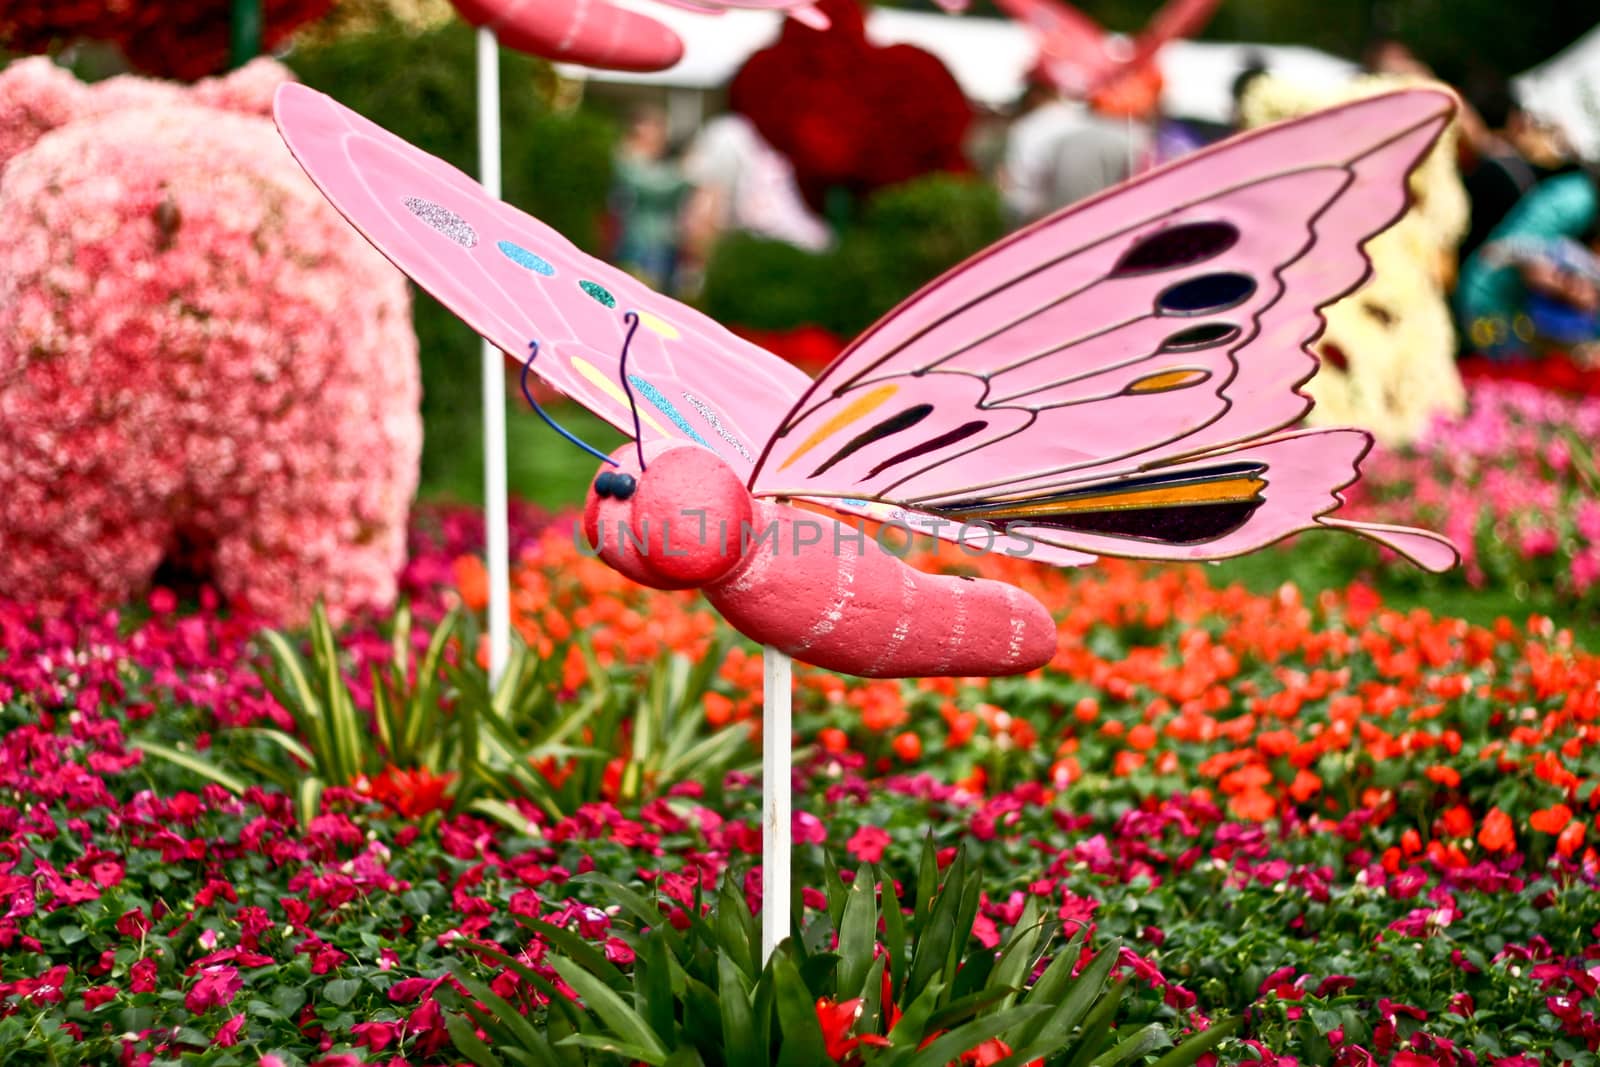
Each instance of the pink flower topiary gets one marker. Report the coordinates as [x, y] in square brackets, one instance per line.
[201, 363]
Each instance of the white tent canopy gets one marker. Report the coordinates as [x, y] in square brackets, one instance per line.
[988, 57]
[1566, 90]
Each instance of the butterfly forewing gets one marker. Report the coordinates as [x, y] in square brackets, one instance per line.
[1106, 366]
[515, 280]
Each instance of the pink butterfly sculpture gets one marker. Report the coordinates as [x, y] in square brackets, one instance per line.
[1079, 57]
[596, 33]
[1117, 379]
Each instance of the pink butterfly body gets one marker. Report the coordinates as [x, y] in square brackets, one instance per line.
[1117, 379]
[821, 590]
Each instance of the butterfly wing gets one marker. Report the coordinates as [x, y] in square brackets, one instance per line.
[1072, 46]
[592, 32]
[1114, 379]
[1176, 19]
[515, 280]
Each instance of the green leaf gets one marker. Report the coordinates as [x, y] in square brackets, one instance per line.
[1097, 1026]
[622, 1020]
[468, 1043]
[1052, 1031]
[913, 1024]
[858, 934]
[894, 936]
[1137, 1045]
[615, 1047]
[574, 947]
[1197, 1045]
[652, 979]
[927, 885]
[192, 763]
[341, 991]
[1017, 959]
[734, 927]
[803, 1045]
[938, 933]
[510, 1020]
[834, 889]
[739, 1041]
[969, 1036]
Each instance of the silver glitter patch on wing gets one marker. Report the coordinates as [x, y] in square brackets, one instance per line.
[444, 220]
[716, 424]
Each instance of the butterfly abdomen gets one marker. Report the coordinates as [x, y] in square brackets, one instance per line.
[828, 594]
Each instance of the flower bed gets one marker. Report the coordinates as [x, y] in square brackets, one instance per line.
[1513, 483]
[1369, 832]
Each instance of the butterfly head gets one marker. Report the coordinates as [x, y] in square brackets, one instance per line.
[674, 524]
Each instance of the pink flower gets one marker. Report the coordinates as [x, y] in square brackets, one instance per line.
[867, 844]
[216, 988]
[228, 1032]
[375, 1036]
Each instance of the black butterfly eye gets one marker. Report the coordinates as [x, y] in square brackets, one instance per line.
[605, 485]
[623, 485]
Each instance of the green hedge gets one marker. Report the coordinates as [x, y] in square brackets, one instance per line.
[905, 236]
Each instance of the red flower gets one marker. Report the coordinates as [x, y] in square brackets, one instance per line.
[1497, 834]
[837, 1021]
[867, 844]
[216, 988]
[142, 976]
[375, 1036]
[410, 793]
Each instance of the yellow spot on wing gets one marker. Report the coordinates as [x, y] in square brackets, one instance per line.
[613, 390]
[658, 325]
[1165, 380]
[853, 411]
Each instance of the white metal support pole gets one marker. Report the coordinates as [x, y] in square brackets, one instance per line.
[496, 525]
[777, 738]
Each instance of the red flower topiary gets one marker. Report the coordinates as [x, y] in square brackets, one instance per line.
[185, 39]
[849, 113]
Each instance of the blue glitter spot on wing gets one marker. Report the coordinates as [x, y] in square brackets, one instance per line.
[855, 503]
[663, 405]
[524, 258]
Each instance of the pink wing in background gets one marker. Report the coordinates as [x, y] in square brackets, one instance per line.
[1072, 46]
[514, 280]
[591, 32]
[1076, 52]
[1109, 378]
[1177, 19]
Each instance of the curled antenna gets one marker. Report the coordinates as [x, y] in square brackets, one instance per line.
[533, 351]
[632, 318]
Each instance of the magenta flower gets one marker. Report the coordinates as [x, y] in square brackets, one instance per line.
[215, 988]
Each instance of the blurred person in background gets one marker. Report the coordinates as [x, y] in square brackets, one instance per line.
[1511, 153]
[647, 194]
[1060, 151]
[1535, 280]
[741, 184]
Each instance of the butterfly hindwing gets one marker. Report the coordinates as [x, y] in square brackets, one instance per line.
[515, 280]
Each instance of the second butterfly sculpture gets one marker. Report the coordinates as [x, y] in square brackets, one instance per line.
[1118, 379]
